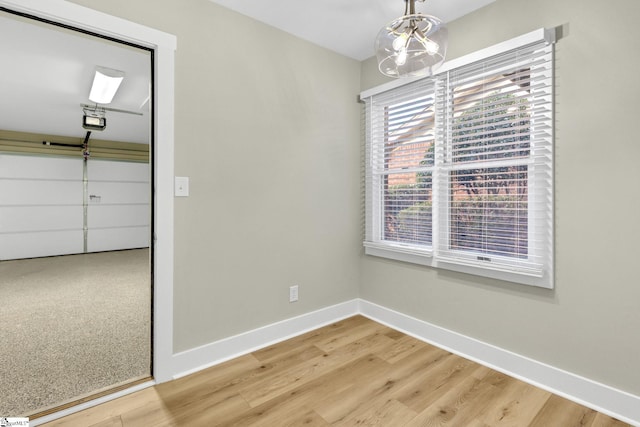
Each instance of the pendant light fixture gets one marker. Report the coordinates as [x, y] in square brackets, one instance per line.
[412, 45]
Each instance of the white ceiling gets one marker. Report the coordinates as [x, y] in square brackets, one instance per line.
[348, 27]
[47, 73]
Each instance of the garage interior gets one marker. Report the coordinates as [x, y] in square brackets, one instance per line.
[75, 209]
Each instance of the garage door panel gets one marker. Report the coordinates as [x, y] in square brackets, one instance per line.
[42, 211]
[40, 192]
[110, 239]
[118, 192]
[32, 245]
[33, 219]
[105, 170]
[35, 167]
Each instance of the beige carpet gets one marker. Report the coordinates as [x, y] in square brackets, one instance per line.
[72, 325]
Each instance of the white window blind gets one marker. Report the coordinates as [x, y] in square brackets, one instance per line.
[459, 168]
[401, 155]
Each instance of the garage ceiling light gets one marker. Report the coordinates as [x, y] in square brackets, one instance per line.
[94, 122]
[105, 85]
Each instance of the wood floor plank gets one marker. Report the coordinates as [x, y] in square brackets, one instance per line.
[354, 372]
[196, 412]
[308, 395]
[403, 346]
[354, 334]
[385, 384]
[234, 371]
[562, 412]
[602, 420]
[367, 382]
[380, 412]
[309, 419]
[460, 405]
[347, 401]
[310, 338]
[517, 402]
[428, 384]
[111, 422]
[393, 334]
[153, 415]
[313, 368]
[147, 397]
[219, 388]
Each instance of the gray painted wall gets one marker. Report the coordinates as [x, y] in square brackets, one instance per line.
[272, 149]
[589, 324]
[267, 128]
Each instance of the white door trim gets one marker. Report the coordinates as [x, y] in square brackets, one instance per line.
[164, 46]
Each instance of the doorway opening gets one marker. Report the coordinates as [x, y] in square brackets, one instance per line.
[77, 248]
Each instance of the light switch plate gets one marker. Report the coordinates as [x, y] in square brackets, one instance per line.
[182, 186]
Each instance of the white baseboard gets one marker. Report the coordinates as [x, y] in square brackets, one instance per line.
[618, 404]
[196, 359]
[199, 358]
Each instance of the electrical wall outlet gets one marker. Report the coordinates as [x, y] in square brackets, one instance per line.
[293, 293]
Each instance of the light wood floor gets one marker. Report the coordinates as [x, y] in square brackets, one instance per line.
[352, 373]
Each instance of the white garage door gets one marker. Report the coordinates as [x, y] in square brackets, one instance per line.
[42, 206]
[118, 215]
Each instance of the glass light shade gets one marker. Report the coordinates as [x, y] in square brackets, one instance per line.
[411, 46]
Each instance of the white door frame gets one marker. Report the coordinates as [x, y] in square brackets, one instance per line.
[164, 46]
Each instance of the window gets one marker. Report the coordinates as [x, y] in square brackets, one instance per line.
[459, 166]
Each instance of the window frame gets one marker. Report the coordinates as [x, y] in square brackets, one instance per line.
[537, 268]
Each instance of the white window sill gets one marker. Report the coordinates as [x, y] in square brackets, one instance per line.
[399, 253]
[425, 257]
